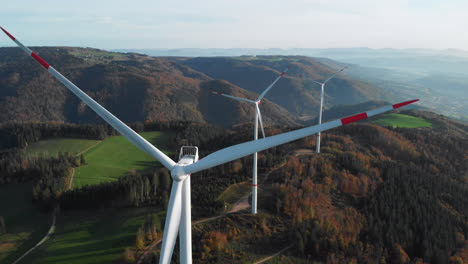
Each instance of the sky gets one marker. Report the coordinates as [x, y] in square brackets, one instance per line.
[117, 24]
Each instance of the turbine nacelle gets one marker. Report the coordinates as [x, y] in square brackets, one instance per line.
[188, 155]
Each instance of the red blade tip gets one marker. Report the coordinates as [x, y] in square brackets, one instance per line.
[395, 106]
[40, 60]
[9, 35]
[354, 118]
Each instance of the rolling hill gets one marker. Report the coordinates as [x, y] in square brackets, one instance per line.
[141, 88]
[436, 76]
[295, 92]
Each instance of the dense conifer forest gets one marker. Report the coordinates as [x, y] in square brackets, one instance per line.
[374, 195]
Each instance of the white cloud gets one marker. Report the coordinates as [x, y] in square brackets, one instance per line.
[246, 23]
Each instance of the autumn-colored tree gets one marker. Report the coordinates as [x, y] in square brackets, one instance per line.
[455, 260]
[399, 255]
[214, 241]
[140, 239]
[295, 165]
[128, 256]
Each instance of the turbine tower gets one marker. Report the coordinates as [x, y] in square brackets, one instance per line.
[322, 94]
[258, 117]
[178, 219]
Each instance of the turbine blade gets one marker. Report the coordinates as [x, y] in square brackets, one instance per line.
[260, 119]
[123, 129]
[244, 149]
[271, 85]
[342, 69]
[171, 227]
[233, 97]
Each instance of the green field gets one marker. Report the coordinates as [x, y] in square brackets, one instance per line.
[25, 223]
[51, 147]
[399, 120]
[234, 193]
[92, 236]
[115, 156]
[98, 236]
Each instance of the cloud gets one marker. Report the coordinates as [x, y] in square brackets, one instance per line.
[104, 20]
[245, 23]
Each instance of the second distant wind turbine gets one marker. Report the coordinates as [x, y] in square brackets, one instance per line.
[258, 117]
[322, 94]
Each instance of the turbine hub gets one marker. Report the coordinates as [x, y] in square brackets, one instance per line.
[178, 173]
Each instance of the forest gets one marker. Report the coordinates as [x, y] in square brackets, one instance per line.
[374, 195]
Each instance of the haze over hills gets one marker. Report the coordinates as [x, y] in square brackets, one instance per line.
[142, 88]
[438, 77]
[314, 52]
[295, 92]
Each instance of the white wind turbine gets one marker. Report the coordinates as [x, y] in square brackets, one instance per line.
[322, 94]
[178, 219]
[258, 117]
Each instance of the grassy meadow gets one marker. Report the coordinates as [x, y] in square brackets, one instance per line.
[92, 237]
[96, 236]
[399, 120]
[25, 224]
[115, 156]
[51, 147]
[106, 160]
[235, 192]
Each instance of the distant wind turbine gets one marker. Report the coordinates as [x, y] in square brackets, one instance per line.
[322, 94]
[258, 116]
[178, 219]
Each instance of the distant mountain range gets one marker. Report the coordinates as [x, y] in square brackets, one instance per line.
[438, 77]
[142, 88]
[326, 53]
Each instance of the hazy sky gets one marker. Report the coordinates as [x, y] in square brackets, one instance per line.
[437, 24]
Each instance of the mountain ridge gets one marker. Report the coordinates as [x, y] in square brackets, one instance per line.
[141, 88]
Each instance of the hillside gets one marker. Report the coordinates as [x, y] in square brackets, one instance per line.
[133, 87]
[295, 92]
[374, 193]
[436, 76]
[140, 88]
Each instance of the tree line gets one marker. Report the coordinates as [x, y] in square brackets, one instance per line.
[132, 190]
[377, 195]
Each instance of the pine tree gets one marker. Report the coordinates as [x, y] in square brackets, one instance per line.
[140, 239]
[82, 160]
[2, 225]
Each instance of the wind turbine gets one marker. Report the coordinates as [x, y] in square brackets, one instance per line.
[258, 116]
[178, 219]
[322, 94]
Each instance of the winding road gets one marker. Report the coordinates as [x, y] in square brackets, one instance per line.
[44, 239]
[51, 231]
